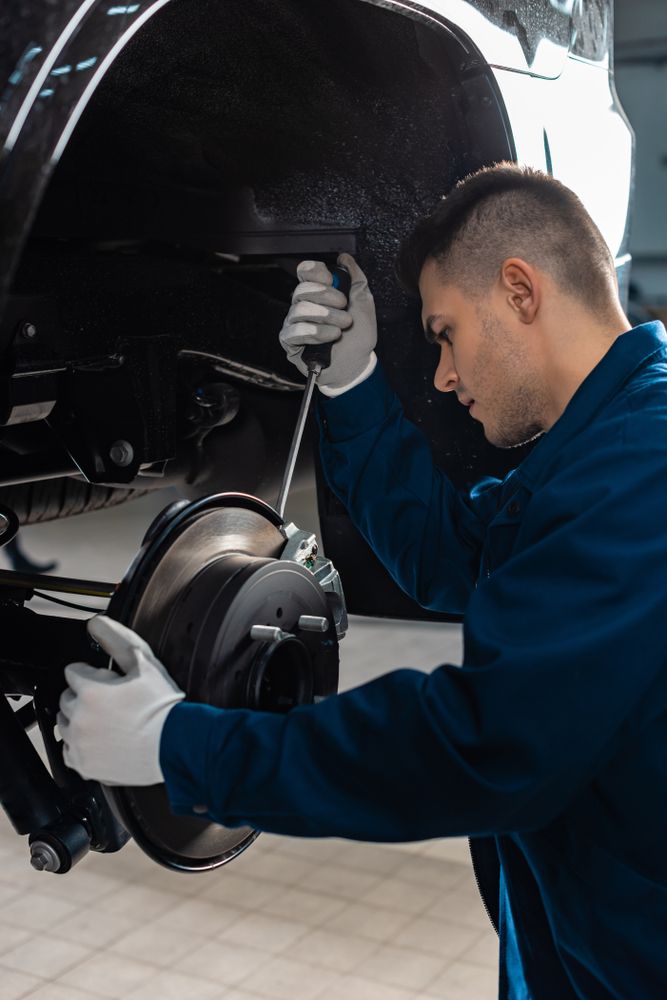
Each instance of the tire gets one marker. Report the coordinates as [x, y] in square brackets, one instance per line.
[50, 499]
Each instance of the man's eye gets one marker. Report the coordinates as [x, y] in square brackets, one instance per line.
[444, 335]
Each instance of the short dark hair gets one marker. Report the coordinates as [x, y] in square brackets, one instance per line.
[505, 211]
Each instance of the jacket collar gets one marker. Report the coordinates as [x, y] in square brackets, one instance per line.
[628, 352]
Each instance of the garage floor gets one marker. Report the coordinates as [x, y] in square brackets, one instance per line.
[290, 919]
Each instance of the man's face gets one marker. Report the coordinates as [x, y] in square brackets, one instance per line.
[484, 358]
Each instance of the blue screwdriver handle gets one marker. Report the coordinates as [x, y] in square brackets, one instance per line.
[316, 357]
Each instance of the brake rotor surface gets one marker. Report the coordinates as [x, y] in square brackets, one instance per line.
[207, 572]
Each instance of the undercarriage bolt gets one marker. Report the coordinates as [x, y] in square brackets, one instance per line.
[43, 857]
[312, 623]
[121, 453]
[266, 633]
[29, 330]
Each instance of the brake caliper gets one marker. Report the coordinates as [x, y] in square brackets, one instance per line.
[301, 547]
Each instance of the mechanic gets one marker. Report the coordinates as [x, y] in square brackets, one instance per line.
[549, 744]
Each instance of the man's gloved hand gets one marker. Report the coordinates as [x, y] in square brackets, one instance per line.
[319, 315]
[111, 725]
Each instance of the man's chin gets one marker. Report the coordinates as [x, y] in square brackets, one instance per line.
[507, 441]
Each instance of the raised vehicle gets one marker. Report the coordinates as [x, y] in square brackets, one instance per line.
[165, 165]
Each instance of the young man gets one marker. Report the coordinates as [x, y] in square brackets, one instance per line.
[550, 742]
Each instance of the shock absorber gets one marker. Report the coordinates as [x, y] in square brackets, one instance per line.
[34, 803]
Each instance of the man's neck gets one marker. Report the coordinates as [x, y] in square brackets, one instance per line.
[578, 348]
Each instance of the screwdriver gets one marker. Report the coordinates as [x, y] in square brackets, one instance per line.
[316, 357]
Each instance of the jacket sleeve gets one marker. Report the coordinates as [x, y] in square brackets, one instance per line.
[427, 534]
[562, 646]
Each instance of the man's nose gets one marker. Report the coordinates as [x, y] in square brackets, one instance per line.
[446, 377]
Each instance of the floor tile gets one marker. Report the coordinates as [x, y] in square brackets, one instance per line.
[200, 916]
[462, 981]
[238, 994]
[330, 950]
[310, 908]
[129, 863]
[320, 850]
[53, 991]
[45, 956]
[82, 885]
[15, 985]
[455, 849]
[19, 876]
[274, 867]
[373, 922]
[261, 930]
[401, 895]
[432, 872]
[12, 863]
[409, 847]
[371, 858]
[174, 986]
[401, 967]
[356, 988]
[93, 928]
[176, 883]
[240, 891]
[462, 905]
[11, 937]
[8, 893]
[438, 937]
[106, 975]
[159, 945]
[483, 952]
[285, 979]
[267, 843]
[223, 963]
[348, 883]
[139, 902]
[37, 911]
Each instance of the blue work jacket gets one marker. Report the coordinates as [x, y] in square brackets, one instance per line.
[551, 739]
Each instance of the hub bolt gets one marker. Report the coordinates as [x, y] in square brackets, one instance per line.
[313, 623]
[266, 633]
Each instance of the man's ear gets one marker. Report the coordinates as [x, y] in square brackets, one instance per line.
[521, 288]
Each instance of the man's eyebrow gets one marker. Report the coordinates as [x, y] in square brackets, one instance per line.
[429, 332]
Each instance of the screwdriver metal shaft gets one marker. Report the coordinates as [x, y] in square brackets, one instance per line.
[296, 439]
[317, 357]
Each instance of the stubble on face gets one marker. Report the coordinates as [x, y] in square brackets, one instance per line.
[509, 390]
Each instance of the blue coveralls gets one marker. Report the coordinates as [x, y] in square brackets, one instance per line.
[551, 740]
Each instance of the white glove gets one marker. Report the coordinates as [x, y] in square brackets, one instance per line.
[111, 725]
[320, 314]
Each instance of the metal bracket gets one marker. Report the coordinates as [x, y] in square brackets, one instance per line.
[302, 548]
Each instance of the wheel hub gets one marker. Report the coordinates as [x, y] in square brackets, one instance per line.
[232, 622]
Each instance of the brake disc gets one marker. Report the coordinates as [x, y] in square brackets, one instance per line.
[209, 574]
